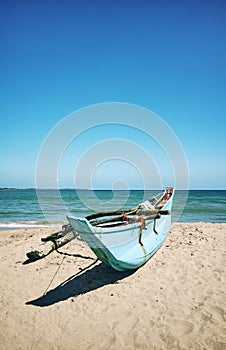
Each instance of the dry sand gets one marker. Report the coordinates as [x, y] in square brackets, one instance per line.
[176, 301]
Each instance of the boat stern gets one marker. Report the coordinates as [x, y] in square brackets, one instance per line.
[81, 225]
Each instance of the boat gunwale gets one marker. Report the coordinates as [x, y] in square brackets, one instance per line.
[128, 225]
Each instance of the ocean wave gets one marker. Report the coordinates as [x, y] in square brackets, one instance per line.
[28, 225]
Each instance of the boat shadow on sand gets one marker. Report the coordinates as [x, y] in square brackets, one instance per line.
[82, 282]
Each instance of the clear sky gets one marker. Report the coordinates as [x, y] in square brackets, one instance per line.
[59, 56]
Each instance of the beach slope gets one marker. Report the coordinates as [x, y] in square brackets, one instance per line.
[69, 300]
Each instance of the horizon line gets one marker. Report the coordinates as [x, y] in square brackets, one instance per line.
[110, 189]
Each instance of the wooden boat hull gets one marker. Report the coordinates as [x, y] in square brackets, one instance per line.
[127, 246]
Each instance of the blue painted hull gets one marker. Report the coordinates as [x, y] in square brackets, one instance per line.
[124, 247]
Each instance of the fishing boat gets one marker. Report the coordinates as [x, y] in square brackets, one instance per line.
[127, 239]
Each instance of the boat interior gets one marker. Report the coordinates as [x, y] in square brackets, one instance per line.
[124, 217]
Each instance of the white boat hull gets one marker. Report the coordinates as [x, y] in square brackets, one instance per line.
[125, 247]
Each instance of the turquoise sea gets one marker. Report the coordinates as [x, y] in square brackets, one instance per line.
[22, 208]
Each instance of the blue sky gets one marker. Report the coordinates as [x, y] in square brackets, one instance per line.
[59, 56]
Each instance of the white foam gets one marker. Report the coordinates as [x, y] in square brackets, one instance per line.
[27, 225]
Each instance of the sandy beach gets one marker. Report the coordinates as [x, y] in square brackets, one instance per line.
[69, 300]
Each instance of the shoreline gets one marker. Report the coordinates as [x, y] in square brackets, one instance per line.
[10, 225]
[70, 300]
[17, 225]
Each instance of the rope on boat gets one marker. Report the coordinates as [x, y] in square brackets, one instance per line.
[142, 226]
[148, 210]
[154, 229]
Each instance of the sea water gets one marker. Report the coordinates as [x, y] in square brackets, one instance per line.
[27, 208]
